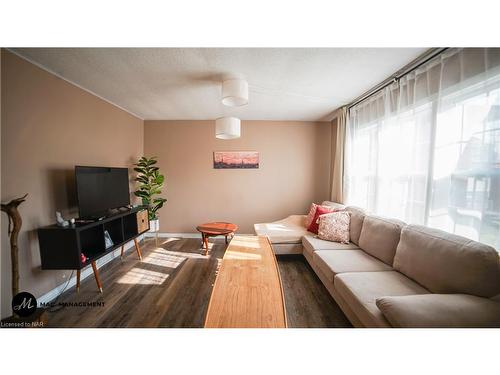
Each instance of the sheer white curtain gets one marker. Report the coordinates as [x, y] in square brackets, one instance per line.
[338, 142]
[426, 149]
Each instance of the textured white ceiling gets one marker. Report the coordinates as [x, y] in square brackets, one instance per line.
[185, 83]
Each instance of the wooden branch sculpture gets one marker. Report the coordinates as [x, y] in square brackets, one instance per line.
[15, 223]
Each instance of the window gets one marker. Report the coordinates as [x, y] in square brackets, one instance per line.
[466, 168]
[427, 149]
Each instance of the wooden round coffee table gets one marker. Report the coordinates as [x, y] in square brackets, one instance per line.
[217, 228]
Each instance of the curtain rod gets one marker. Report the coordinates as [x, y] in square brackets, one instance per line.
[408, 68]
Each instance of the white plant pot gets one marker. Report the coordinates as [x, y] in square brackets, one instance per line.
[154, 225]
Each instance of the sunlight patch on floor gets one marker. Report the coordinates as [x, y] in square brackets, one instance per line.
[170, 239]
[158, 242]
[140, 276]
[157, 257]
[185, 255]
[163, 258]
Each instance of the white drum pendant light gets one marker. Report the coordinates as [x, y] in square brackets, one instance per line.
[234, 92]
[227, 128]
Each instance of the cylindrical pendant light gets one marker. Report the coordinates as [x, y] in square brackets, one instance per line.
[234, 92]
[227, 128]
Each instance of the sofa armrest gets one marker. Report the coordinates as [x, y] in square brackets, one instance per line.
[440, 311]
[288, 230]
[289, 221]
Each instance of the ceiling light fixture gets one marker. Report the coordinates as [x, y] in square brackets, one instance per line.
[234, 92]
[227, 128]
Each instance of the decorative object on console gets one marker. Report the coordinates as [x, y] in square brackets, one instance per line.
[151, 182]
[15, 224]
[227, 128]
[108, 242]
[60, 220]
[320, 210]
[236, 159]
[335, 227]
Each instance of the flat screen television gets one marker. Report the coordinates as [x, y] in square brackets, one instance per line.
[101, 189]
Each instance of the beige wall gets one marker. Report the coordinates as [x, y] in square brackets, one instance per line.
[294, 171]
[48, 127]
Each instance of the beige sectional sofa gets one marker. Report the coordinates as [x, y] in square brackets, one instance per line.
[397, 275]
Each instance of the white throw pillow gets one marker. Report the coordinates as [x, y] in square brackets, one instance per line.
[335, 226]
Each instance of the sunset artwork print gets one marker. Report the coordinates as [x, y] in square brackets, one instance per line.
[236, 159]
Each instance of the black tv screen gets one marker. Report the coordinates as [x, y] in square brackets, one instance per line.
[100, 189]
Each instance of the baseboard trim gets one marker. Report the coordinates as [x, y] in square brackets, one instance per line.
[54, 293]
[166, 235]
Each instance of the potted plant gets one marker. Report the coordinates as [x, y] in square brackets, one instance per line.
[150, 183]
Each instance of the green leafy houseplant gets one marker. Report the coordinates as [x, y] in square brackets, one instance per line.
[150, 183]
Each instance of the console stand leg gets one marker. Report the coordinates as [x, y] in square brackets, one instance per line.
[96, 274]
[78, 272]
[138, 249]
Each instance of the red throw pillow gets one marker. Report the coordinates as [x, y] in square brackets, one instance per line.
[320, 210]
[310, 215]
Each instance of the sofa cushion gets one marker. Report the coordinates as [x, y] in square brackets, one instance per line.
[288, 230]
[312, 243]
[380, 237]
[361, 290]
[447, 263]
[357, 217]
[335, 262]
[440, 310]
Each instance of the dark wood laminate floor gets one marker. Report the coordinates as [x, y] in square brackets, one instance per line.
[171, 287]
